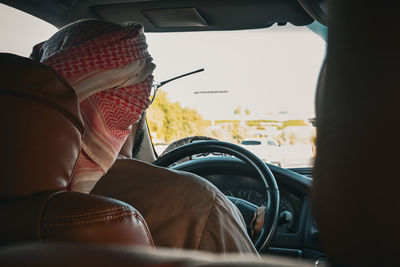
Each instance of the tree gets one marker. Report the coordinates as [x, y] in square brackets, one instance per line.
[170, 121]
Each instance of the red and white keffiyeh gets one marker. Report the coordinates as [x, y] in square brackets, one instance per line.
[111, 71]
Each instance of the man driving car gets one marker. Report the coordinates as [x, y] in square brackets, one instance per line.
[111, 71]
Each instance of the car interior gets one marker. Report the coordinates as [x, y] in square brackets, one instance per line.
[341, 211]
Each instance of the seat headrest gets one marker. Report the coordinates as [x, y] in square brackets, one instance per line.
[356, 182]
[41, 128]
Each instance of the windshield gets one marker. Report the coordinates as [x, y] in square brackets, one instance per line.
[257, 89]
[257, 84]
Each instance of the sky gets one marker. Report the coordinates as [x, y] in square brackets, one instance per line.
[266, 71]
[21, 31]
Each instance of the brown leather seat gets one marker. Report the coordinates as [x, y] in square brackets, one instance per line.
[40, 144]
[356, 181]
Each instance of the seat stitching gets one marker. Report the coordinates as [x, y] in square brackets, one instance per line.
[88, 214]
[148, 235]
[107, 218]
[75, 223]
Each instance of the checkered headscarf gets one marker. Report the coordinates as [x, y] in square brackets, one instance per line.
[110, 69]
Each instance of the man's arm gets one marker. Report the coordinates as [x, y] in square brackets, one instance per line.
[181, 209]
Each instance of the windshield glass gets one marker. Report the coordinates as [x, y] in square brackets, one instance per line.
[16, 36]
[257, 88]
[257, 84]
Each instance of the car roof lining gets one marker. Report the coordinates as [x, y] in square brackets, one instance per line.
[217, 14]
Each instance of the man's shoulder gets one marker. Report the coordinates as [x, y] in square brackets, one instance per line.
[137, 169]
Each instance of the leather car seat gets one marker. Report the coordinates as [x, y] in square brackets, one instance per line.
[356, 181]
[40, 143]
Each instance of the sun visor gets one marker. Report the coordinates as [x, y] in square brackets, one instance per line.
[204, 15]
[175, 17]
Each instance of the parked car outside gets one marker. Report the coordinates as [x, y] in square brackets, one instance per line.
[267, 149]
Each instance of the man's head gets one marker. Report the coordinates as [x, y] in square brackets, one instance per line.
[110, 70]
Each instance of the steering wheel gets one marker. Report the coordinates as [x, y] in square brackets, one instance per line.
[264, 174]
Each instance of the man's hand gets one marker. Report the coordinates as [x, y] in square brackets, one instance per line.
[257, 223]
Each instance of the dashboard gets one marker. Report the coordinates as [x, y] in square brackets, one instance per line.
[250, 189]
[297, 233]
